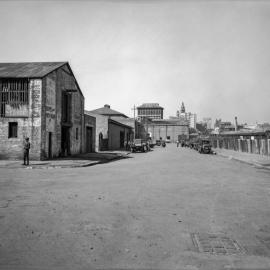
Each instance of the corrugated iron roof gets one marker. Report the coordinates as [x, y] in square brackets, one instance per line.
[28, 70]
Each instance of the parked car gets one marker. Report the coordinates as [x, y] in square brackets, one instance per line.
[139, 145]
[151, 143]
[167, 141]
[204, 146]
[158, 142]
[196, 146]
[191, 144]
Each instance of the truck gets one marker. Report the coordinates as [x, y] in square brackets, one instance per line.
[204, 146]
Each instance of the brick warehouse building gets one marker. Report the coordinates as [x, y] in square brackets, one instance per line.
[42, 101]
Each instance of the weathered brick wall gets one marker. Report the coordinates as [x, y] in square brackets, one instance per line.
[77, 120]
[49, 117]
[66, 81]
[54, 84]
[12, 148]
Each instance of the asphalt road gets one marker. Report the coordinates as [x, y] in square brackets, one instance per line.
[171, 208]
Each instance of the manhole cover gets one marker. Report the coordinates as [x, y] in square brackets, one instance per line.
[215, 244]
[265, 241]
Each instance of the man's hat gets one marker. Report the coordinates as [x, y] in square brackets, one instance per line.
[27, 139]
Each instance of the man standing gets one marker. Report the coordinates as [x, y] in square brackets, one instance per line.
[26, 148]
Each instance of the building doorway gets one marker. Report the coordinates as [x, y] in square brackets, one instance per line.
[50, 145]
[89, 139]
[65, 142]
[122, 139]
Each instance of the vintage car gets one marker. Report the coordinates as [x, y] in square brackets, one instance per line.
[158, 142]
[204, 146]
[191, 144]
[196, 146]
[139, 145]
[150, 143]
[187, 144]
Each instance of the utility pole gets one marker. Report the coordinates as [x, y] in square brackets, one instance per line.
[134, 111]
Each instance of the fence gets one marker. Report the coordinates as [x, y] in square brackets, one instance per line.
[259, 144]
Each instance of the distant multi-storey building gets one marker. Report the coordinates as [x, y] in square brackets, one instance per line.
[150, 110]
[191, 118]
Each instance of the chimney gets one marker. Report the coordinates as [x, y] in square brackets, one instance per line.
[235, 123]
[107, 106]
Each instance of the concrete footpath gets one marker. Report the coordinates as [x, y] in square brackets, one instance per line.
[82, 160]
[256, 160]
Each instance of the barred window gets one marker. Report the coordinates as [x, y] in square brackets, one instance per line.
[13, 92]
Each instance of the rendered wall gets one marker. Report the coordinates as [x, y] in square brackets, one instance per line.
[90, 121]
[163, 131]
[101, 127]
[114, 135]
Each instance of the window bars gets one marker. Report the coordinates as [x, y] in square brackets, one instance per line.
[14, 95]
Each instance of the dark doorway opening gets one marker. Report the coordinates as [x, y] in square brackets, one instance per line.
[89, 139]
[50, 145]
[65, 143]
[122, 139]
[66, 108]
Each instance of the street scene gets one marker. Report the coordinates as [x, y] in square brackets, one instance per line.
[153, 210]
[134, 135]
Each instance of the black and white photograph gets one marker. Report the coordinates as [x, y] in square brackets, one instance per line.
[135, 135]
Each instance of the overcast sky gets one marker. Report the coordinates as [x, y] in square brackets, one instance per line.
[213, 56]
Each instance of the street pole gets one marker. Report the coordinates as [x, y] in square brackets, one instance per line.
[134, 110]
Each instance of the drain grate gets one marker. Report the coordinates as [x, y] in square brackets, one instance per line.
[265, 241]
[216, 244]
